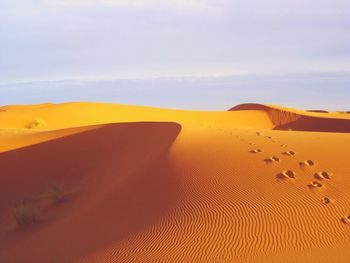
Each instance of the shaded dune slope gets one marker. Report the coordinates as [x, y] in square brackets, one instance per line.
[288, 119]
[114, 176]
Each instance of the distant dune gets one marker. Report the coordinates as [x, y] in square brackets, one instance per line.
[93, 182]
[291, 119]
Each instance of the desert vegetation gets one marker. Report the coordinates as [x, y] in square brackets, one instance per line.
[25, 212]
[56, 193]
[37, 123]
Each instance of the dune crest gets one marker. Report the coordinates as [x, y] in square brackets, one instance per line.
[297, 120]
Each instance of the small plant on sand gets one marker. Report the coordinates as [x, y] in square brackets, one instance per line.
[37, 123]
[25, 213]
[56, 194]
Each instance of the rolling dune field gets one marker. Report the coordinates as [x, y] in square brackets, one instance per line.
[93, 182]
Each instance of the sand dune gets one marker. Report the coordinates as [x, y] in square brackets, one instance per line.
[259, 183]
[98, 169]
[289, 119]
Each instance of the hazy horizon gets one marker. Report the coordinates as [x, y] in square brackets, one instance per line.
[306, 91]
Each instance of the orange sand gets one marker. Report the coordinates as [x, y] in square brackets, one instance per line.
[259, 183]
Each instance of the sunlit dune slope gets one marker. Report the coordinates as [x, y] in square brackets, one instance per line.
[259, 183]
[67, 115]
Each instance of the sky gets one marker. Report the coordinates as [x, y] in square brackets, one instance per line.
[85, 41]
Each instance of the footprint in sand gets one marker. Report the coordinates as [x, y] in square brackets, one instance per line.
[326, 200]
[256, 151]
[272, 159]
[323, 175]
[346, 219]
[287, 174]
[258, 133]
[315, 185]
[252, 144]
[307, 163]
[283, 145]
[289, 153]
[268, 137]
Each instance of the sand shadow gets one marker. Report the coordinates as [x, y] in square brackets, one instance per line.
[124, 183]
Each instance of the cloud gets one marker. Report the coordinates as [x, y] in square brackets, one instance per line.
[184, 5]
[55, 39]
[18, 8]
